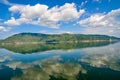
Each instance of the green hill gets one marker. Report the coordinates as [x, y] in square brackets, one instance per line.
[36, 42]
[56, 38]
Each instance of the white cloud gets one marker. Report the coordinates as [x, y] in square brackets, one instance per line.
[103, 23]
[6, 2]
[83, 3]
[43, 15]
[12, 22]
[2, 28]
[28, 11]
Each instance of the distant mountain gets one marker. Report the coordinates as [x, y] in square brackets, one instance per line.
[56, 38]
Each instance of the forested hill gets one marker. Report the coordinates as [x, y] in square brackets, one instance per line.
[49, 38]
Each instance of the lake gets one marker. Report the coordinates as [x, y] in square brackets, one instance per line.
[76, 61]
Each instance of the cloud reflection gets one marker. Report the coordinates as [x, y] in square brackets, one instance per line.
[107, 56]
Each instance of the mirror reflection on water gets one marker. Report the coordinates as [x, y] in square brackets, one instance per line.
[70, 61]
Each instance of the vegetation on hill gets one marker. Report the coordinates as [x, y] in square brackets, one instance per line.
[58, 38]
[36, 42]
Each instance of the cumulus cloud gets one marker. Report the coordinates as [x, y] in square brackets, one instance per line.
[103, 23]
[28, 11]
[16, 22]
[43, 15]
[12, 22]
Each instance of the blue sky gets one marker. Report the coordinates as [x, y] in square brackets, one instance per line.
[60, 16]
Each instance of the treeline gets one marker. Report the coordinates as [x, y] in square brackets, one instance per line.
[47, 38]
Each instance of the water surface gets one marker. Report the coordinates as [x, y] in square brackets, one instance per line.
[80, 61]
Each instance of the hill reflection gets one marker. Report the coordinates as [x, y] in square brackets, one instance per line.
[30, 48]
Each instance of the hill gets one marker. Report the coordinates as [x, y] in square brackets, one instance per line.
[36, 42]
[56, 38]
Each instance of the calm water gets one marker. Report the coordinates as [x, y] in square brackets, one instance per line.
[83, 61]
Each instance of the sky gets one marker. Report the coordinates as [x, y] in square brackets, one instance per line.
[59, 16]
